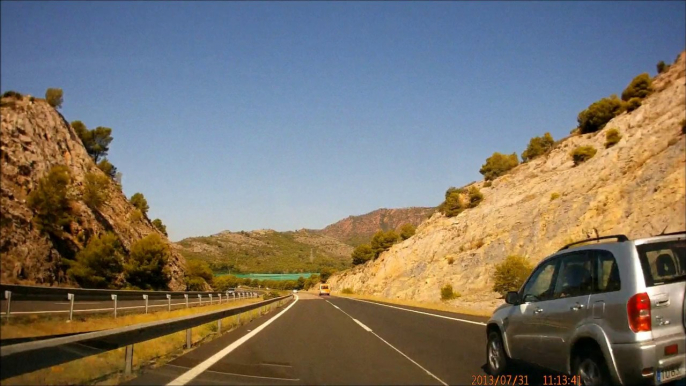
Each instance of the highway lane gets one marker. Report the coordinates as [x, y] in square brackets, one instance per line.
[340, 341]
[29, 307]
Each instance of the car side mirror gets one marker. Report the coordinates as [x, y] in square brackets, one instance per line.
[512, 298]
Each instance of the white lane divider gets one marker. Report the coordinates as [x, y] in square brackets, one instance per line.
[418, 312]
[209, 362]
[391, 346]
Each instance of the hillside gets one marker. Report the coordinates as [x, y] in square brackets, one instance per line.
[35, 138]
[635, 188]
[267, 251]
[356, 230]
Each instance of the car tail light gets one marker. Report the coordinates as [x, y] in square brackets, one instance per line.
[638, 311]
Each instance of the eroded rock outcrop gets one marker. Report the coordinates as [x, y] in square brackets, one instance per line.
[35, 137]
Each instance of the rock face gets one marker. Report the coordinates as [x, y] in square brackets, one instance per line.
[634, 188]
[35, 137]
[356, 230]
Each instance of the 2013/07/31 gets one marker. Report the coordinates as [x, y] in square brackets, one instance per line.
[505, 380]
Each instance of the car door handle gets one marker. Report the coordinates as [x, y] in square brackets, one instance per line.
[576, 307]
[538, 310]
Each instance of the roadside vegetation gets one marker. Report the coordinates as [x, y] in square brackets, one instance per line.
[537, 147]
[510, 274]
[612, 137]
[108, 367]
[447, 293]
[582, 154]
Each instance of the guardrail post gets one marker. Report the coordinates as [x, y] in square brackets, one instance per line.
[168, 302]
[114, 297]
[227, 296]
[8, 296]
[145, 297]
[186, 297]
[189, 337]
[70, 297]
[128, 359]
[219, 326]
[220, 297]
[210, 295]
[200, 299]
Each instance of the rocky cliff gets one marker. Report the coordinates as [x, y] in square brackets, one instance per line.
[356, 230]
[35, 137]
[635, 187]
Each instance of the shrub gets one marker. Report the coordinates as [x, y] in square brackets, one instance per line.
[383, 241]
[498, 164]
[135, 215]
[50, 201]
[475, 197]
[54, 97]
[223, 283]
[672, 142]
[448, 294]
[12, 94]
[633, 104]
[32, 99]
[199, 268]
[324, 274]
[488, 184]
[194, 283]
[538, 146]
[362, 253]
[554, 196]
[451, 260]
[407, 231]
[147, 264]
[107, 168]
[157, 223]
[347, 290]
[612, 137]
[140, 203]
[598, 114]
[96, 141]
[511, 274]
[640, 87]
[582, 154]
[95, 190]
[99, 264]
[453, 204]
[662, 67]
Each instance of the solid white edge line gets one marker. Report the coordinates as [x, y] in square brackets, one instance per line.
[382, 339]
[419, 312]
[207, 363]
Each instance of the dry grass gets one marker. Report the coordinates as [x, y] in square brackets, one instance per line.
[36, 325]
[412, 303]
[107, 368]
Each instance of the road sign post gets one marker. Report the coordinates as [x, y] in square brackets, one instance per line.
[70, 297]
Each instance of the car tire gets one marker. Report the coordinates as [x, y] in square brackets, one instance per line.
[496, 357]
[591, 369]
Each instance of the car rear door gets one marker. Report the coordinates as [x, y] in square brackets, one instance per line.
[568, 309]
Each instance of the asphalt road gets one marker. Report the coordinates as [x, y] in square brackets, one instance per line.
[42, 307]
[337, 341]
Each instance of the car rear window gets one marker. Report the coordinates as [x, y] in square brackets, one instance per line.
[325, 287]
[663, 262]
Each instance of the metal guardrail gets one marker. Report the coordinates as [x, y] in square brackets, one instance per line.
[38, 293]
[23, 358]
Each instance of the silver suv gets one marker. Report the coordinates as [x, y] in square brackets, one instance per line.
[601, 313]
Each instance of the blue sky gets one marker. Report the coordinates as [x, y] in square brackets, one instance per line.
[288, 115]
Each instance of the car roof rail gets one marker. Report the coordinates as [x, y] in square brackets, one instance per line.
[619, 238]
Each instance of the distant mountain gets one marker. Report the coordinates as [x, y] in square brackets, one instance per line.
[267, 251]
[356, 230]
